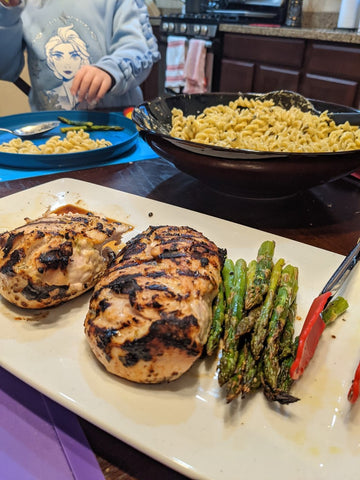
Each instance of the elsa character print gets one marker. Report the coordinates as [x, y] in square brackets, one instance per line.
[66, 53]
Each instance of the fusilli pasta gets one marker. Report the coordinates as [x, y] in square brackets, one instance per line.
[260, 125]
[75, 141]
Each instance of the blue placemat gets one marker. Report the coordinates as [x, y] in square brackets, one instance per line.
[141, 151]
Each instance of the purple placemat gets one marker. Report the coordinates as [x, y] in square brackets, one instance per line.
[39, 439]
[141, 151]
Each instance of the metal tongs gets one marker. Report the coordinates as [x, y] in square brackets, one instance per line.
[314, 324]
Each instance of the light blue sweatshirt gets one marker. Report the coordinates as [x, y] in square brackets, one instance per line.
[60, 36]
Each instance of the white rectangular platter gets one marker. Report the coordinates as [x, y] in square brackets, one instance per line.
[187, 424]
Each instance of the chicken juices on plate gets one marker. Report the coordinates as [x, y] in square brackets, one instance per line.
[56, 257]
[150, 314]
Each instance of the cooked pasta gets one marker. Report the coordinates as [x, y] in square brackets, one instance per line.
[260, 125]
[75, 141]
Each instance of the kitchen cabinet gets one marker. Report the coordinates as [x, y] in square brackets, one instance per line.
[254, 63]
[151, 86]
[331, 72]
[321, 70]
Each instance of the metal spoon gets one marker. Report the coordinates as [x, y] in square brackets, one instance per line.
[31, 130]
[287, 99]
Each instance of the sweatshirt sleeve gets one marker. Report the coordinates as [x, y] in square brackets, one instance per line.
[11, 41]
[133, 47]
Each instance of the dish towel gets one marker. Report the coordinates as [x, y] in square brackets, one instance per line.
[194, 70]
[175, 61]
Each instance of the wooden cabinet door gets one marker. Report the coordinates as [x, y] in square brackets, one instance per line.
[236, 76]
[260, 64]
[151, 86]
[332, 73]
[264, 50]
[339, 61]
[268, 78]
[330, 89]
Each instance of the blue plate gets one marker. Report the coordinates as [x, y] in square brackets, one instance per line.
[122, 141]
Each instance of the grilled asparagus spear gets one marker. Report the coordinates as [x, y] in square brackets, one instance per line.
[217, 321]
[84, 125]
[248, 321]
[251, 379]
[236, 308]
[235, 382]
[259, 283]
[287, 336]
[77, 123]
[284, 379]
[287, 352]
[228, 278]
[261, 326]
[334, 309]
[284, 298]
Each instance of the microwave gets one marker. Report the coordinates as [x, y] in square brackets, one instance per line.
[213, 6]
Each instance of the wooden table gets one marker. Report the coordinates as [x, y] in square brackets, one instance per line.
[327, 217]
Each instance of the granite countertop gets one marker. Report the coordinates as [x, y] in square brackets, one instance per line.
[329, 35]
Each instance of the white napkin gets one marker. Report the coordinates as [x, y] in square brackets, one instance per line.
[175, 61]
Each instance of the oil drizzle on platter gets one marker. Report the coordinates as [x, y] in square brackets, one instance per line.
[71, 208]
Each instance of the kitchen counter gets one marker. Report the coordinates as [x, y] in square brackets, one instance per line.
[329, 35]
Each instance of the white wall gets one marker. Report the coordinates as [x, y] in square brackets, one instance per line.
[12, 99]
[321, 6]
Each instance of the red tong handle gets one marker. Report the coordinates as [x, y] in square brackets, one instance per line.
[355, 387]
[310, 335]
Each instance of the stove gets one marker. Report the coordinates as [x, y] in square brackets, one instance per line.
[202, 21]
[199, 25]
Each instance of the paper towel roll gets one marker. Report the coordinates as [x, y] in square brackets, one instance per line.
[349, 14]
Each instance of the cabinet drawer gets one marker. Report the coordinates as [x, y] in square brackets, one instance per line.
[329, 89]
[236, 76]
[269, 78]
[268, 50]
[335, 60]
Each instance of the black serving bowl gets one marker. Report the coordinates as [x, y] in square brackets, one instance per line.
[245, 173]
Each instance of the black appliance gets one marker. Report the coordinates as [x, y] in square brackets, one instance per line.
[196, 6]
[202, 18]
[202, 26]
[271, 12]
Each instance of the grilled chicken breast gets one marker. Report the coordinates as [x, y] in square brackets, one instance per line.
[56, 257]
[150, 314]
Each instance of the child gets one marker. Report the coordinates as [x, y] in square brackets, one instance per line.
[81, 53]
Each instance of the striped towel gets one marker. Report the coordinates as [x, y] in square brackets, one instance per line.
[194, 69]
[175, 61]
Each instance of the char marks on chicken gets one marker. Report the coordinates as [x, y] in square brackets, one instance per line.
[55, 258]
[150, 314]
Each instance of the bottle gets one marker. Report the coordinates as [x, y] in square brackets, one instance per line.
[349, 14]
[294, 13]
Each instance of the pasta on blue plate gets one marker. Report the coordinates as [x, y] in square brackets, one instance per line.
[75, 141]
